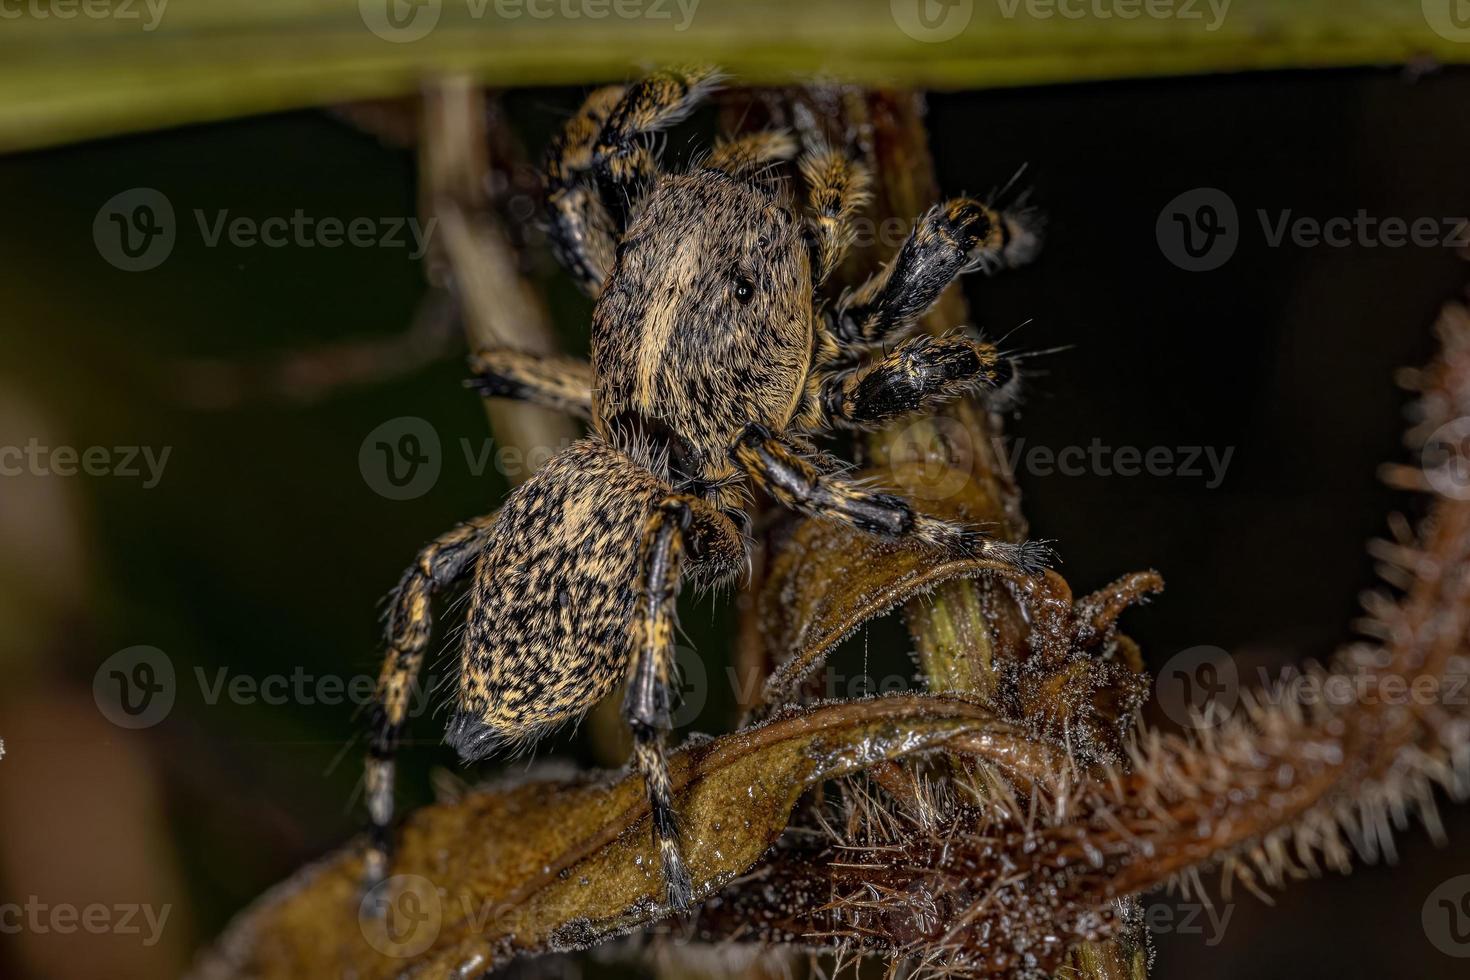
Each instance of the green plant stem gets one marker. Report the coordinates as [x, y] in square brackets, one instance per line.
[77, 78]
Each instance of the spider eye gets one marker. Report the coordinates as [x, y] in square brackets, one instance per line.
[744, 290]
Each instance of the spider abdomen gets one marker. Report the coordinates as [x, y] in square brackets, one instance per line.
[547, 635]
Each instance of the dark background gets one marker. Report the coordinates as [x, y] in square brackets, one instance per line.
[264, 550]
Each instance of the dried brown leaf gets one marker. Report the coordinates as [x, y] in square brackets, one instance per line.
[555, 865]
[826, 580]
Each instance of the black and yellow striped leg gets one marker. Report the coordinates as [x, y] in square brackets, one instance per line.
[444, 561]
[746, 155]
[647, 703]
[649, 105]
[955, 237]
[582, 232]
[603, 159]
[795, 482]
[917, 376]
[837, 189]
[551, 380]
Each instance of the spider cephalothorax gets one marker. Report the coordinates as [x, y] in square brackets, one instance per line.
[712, 362]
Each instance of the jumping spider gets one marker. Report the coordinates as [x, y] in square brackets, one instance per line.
[712, 356]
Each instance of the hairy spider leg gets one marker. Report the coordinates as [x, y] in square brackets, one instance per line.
[918, 376]
[647, 703]
[953, 238]
[603, 160]
[440, 564]
[795, 482]
[552, 381]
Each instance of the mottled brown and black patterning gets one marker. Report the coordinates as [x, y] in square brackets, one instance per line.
[714, 357]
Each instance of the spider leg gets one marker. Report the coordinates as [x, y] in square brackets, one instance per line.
[583, 234]
[918, 375]
[745, 155]
[953, 238]
[599, 165]
[837, 189]
[653, 103]
[439, 565]
[647, 703]
[552, 381]
[792, 479]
